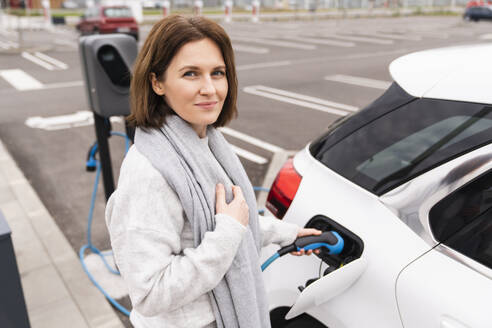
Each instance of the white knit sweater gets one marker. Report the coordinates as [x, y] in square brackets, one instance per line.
[167, 278]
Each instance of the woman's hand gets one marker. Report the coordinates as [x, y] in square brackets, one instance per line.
[307, 232]
[237, 208]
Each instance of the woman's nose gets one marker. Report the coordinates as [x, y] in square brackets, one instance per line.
[207, 86]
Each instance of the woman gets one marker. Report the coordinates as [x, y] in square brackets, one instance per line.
[183, 221]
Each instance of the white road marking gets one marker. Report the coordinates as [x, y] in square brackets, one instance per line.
[20, 79]
[321, 41]
[63, 85]
[80, 118]
[253, 50]
[391, 36]
[263, 65]
[249, 156]
[51, 60]
[485, 36]
[301, 100]
[7, 44]
[360, 81]
[359, 39]
[66, 42]
[37, 61]
[276, 43]
[252, 140]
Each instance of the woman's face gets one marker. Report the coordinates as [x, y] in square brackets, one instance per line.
[195, 84]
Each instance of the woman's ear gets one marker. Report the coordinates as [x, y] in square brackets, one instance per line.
[157, 86]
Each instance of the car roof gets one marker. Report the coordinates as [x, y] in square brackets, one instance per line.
[456, 73]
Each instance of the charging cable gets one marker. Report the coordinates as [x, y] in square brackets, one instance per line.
[330, 240]
[92, 164]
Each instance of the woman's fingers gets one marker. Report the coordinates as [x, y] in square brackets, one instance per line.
[237, 192]
[308, 232]
[220, 201]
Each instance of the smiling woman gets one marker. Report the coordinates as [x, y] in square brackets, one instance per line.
[183, 222]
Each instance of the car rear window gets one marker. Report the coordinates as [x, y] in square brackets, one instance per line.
[118, 12]
[405, 142]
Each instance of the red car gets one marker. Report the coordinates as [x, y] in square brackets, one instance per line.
[108, 19]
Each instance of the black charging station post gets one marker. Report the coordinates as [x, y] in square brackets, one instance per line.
[106, 62]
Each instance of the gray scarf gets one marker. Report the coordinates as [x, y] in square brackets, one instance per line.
[239, 300]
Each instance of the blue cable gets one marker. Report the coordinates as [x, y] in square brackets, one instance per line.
[269, 261]
[92, 161]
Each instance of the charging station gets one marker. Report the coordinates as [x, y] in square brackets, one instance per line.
[106, 66]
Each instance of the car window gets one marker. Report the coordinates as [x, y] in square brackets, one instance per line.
[117, 12]
[463, 220]
[407, 141]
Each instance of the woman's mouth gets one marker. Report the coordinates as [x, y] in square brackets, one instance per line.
[207, 104]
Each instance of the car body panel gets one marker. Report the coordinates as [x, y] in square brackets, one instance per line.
[453, 297]
[349, 205]
[449, 73]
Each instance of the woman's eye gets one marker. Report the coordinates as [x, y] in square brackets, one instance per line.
[219, 73]
[190, 73]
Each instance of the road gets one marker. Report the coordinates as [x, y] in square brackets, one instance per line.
[295, 78]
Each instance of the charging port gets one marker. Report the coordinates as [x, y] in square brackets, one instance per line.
[352, 249]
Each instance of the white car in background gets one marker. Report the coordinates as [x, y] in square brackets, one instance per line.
[407, 182]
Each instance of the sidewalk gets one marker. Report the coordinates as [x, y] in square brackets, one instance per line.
[57, 292]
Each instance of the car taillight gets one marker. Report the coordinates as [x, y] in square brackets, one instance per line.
[283, 189]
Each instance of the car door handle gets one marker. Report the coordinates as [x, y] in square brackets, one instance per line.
[327, 287]
[448, 322]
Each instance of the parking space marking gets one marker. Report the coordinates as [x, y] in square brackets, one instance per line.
[360, 81]
[277, 43]
[263, 65]
[51, 60]
[487, 36]
[249, 49]
[391, 36]
[321, 41]
[301, 100]
[20, 79]
[358, 39]
[7, 44]
[249, 155]
[37, 61]
[61, 122]
[251, 140]
[64, 42]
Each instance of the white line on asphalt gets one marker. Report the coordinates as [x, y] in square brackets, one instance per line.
[306, 98]
[51, 60]
[63, 85]
[391, 36]
[253, 50]
[263, 65]
[80, 118]
[300, 100]
[66, 42]
[37, 61]
[252, 140]
[360, 81]
[485, 36]
[20, 79]
[4, 45]
[358, 39]
[321, 41]
[249, 156]
[277, 43]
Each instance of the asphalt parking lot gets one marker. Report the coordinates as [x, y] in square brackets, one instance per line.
[295, 78]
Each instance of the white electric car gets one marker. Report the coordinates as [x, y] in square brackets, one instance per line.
[407, 183]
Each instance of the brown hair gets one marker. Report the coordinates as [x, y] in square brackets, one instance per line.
[149, 110]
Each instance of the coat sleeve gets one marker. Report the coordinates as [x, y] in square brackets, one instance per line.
[145, 220]
[275, 231]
